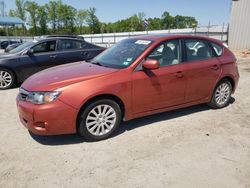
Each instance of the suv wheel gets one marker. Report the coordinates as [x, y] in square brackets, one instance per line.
[99, 120]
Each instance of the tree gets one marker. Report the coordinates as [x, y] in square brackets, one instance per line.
[155, 23]
[81, 18]
[69, 19]
[20, 10]
[11, 13]
[141, 16]
[42, 19]
[92, 21]
[66, 18]
[52, 14]
[32, 9]
[167, 21]
[58, 17]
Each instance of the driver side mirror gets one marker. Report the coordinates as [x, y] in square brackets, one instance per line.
[30, 52]
[151, 64]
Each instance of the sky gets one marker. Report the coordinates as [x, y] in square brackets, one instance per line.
[216, 12]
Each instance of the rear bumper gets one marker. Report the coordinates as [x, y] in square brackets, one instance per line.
[50, 119]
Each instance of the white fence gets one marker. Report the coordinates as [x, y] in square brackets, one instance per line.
[107, 39]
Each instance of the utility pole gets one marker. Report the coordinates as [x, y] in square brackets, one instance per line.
[2, 7]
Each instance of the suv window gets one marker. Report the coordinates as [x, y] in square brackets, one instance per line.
[167, 53]
[217, 48]
[197, 50]
[48, 46]
[71, 44]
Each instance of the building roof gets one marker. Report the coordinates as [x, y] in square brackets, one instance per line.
[10, 21]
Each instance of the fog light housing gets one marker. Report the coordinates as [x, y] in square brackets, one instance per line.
[41, 125]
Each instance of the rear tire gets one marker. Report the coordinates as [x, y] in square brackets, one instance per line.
[222, 95]
[7, 79]
[99, 120]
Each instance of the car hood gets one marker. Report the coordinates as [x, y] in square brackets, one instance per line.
[6, 56]
[61, 76]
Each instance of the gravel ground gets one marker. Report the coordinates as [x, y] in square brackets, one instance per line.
[191, 147]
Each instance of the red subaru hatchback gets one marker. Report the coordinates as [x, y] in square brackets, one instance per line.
[134, 78]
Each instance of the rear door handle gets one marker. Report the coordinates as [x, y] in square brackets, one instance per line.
[215, 67]
[179, 74]
[53, 56]
[84, 53]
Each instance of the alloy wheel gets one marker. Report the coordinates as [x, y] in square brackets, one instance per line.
[101, 120]
[5, 79]
[222, 94]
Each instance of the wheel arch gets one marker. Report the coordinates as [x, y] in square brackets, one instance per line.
[10, 69]
[226, 77]
[113, 97]
[230, 79]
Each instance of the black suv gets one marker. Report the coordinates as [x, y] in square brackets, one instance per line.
[31, 57]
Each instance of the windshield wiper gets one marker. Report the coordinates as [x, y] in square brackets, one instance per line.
[96, 63]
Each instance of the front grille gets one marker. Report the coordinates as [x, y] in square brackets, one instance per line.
[23, 94]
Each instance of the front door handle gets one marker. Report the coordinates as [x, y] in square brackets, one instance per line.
[215, 67]
[179, 74]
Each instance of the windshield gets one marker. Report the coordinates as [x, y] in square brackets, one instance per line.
[122, 54]
[21, 47]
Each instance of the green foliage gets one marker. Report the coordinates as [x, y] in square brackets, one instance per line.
[51, 9]
[42, 20]
[11, 13]
[92, 20]
[32, 9]
[20, 10]
[155, 23]
[133, 23]
[57, 17]
[2, 32]
[81, 18]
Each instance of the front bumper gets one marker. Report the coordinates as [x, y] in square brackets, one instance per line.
[55, 118]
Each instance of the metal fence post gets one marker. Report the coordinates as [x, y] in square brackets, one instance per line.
[222, 33]
[208, 29]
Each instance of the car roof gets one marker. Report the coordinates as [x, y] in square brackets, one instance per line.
[162, 37]
[58, 38]
[40, 40]
[63, 35]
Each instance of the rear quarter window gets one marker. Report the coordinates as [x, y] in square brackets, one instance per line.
[217, 49]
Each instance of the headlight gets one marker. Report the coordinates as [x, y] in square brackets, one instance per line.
[42, 97]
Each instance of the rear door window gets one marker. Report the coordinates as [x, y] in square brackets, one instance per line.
[197, 50]
[71, 45]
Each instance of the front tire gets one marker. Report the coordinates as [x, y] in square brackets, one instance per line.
[99, 120]
[7, 79]
[222, 95]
